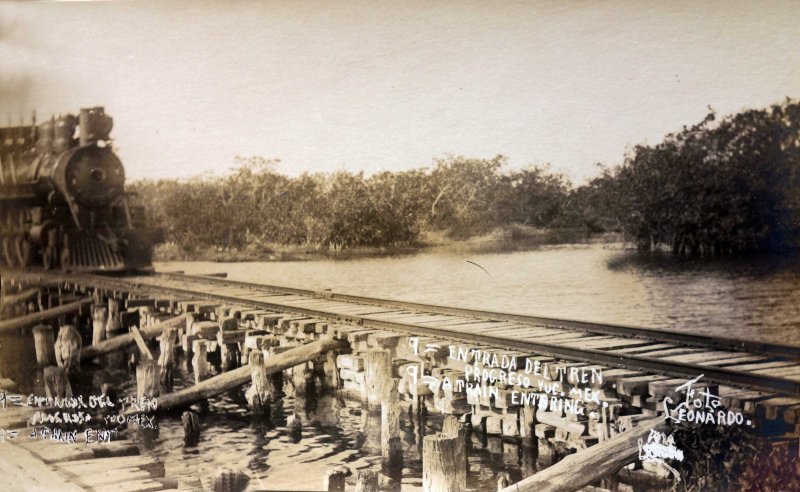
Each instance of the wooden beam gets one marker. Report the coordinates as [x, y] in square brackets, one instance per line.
[137, 337]
[237, 377]
[13, 299]
[41, 316]
[579, 470]
[123, 341]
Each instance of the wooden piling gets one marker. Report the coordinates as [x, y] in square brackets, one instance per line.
[452, 427]
[191, 428]
[335, 479]
[45, 345]
[300, 376]
[391, 445]
[56, 383]
[331, 377]
[367, 481]
[99, 314]
[443, 463]
[379, 371]
[166, 358]
[200, 360]
[68, 347]
[258, 395]
[147, 379]
[113, 322]
[502, 481]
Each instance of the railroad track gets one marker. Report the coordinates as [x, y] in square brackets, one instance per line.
[755, 366]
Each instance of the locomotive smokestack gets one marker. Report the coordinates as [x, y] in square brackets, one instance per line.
[94, 125]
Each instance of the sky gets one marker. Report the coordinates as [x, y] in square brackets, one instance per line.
[372, 86]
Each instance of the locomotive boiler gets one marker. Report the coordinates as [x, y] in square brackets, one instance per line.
[62, 198]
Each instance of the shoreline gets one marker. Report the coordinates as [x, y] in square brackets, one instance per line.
[499, 241]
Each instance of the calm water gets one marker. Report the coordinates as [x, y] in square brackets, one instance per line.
[755, 299]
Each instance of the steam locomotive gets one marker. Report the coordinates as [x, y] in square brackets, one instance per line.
[62, 198]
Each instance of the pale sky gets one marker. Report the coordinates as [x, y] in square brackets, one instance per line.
[367, 85]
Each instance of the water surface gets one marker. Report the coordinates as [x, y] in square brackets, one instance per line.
[756, 298]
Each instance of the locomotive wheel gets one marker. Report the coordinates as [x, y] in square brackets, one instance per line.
[8, 252]
[49, 258]
[24, 251]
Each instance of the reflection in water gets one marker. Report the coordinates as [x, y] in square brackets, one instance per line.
[751, 298]
[334, 432]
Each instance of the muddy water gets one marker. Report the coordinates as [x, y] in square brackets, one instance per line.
[756, 298]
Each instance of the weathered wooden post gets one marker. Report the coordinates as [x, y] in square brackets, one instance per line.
[379, 371]
[45, 345]
[443, 467]
[166, 358]
[56, 383]
[147, 372]
[527, 425]
[452, 427]
[98, 324]
[113, 323]
[300, 378]
[200, 360]
[391, 445]
[259, 395]
[502, 481]
[366, 481]
[295, 426]
[191, 428]
[335, 479]
[331, 372]
[68, 348]
[230, 353]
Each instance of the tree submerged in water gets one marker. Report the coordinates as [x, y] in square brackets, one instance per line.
[717, 188]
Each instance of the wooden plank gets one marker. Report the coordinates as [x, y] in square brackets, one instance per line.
[20, 467]
[792, 373]
[609, 343]
[763, 365]
[531, 333]
[660, 354]
[733, 361]
[645, 349]
[704, 356]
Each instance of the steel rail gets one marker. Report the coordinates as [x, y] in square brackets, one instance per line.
[704, 341]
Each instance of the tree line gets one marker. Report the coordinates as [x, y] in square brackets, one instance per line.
[715, 188]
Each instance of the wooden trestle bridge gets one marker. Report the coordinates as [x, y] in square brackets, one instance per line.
[363, 347]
